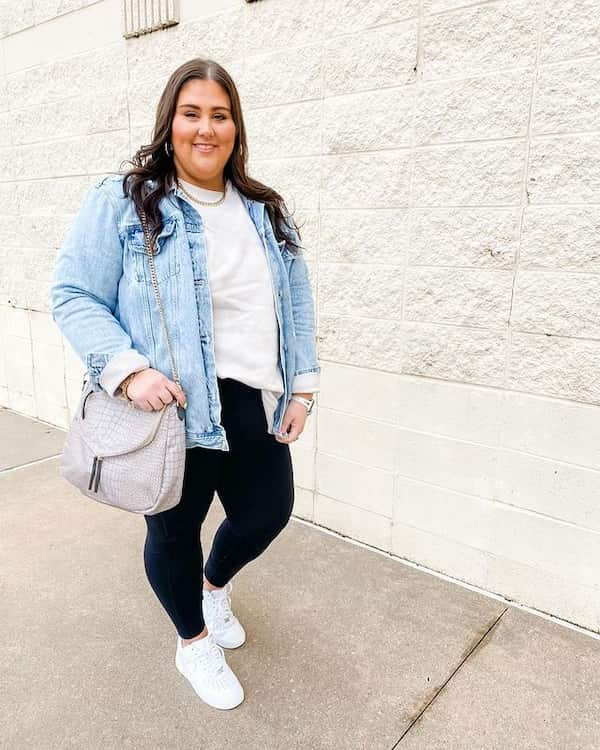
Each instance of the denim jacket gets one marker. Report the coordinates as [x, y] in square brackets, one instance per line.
[103, 301]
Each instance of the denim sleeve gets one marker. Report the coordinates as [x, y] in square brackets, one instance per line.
[84, 292]
[307, 369]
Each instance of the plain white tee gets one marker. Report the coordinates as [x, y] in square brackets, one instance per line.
[246, 331]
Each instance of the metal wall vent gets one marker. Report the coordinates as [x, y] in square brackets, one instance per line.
[144, 16]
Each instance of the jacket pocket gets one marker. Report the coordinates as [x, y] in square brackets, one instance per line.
[166, 253]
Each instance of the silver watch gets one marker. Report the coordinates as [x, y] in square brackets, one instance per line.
[308, 402]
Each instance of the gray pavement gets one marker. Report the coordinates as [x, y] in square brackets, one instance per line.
[346, 649]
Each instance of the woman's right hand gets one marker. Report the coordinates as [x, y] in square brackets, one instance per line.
[150, 390]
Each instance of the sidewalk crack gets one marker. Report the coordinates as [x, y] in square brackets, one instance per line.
[27, 464]
[472, 650]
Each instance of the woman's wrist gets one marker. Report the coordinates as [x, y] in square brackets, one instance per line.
[305, 399]
[125, 384]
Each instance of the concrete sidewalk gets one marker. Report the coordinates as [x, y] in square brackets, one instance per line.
[346, 649]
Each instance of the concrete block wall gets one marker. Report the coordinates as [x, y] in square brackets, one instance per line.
[444, 160]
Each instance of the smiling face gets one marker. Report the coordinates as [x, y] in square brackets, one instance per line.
[202, 133]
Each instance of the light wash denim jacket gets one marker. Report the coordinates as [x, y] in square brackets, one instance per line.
[103, 301]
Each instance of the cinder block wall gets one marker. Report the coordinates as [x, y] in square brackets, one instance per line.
[444, 158]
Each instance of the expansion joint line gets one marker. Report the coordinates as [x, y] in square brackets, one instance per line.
[472, 650]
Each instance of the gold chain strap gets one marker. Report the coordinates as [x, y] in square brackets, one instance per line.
[157, 293]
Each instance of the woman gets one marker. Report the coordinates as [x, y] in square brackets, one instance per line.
[239, 307]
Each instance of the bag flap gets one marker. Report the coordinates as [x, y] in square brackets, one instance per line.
[111, 427]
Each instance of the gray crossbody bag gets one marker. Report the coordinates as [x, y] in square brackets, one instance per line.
[121, 455]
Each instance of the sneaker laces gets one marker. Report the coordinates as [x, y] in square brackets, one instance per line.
[221, 604]
[209, 657]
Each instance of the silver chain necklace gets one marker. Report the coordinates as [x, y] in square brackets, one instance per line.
[198, 201]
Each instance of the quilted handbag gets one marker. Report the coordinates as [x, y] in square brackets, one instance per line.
[124, 456]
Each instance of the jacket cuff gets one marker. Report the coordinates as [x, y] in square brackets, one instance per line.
[119, 366]
[306, 382]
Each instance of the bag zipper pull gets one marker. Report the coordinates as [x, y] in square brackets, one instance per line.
[95, 473]
[98, 470]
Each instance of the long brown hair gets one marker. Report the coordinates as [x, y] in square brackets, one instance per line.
[152, 161]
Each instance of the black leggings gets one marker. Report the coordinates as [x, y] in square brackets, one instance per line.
[255, 484]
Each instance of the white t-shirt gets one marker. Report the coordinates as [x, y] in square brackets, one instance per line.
[246, 332]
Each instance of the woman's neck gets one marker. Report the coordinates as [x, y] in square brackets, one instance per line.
[217, 184]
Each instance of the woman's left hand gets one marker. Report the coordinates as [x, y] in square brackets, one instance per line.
[293, 422]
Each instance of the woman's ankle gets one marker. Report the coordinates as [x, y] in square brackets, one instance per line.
[208, 585]
[203, 634]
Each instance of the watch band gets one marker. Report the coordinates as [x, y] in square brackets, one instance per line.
[308, 402]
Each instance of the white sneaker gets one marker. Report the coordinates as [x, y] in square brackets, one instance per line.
[203, 663]
[220, 620]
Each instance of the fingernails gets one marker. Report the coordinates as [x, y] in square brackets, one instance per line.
[185, 405]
